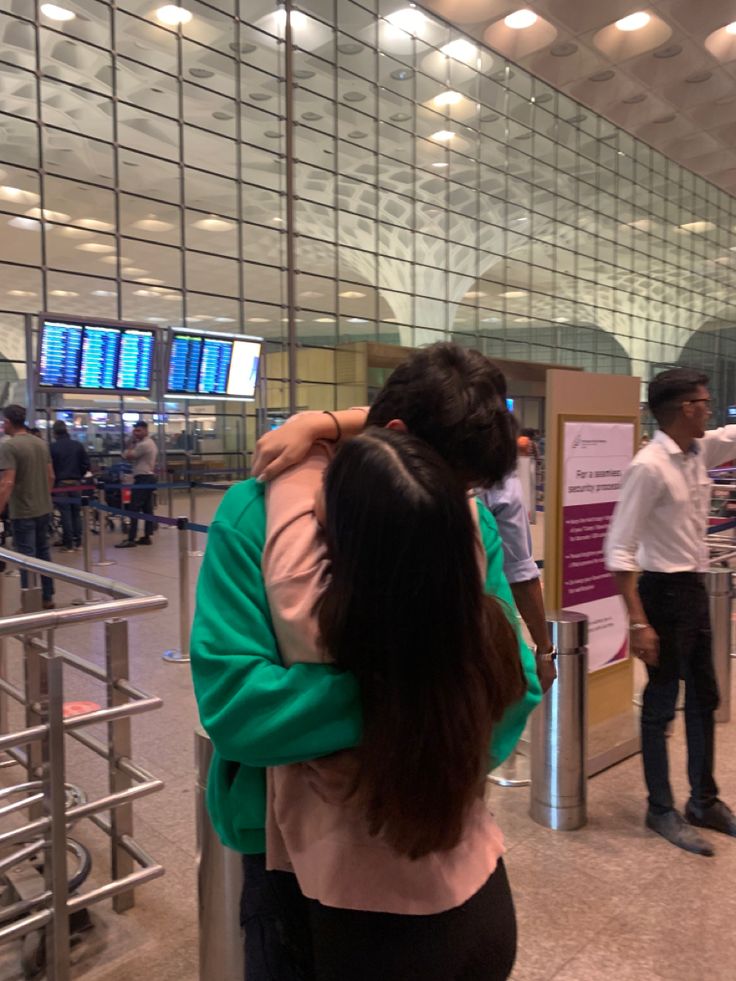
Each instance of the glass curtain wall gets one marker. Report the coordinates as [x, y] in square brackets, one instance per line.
[434, 191]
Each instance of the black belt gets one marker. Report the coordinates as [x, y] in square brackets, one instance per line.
[676, 576]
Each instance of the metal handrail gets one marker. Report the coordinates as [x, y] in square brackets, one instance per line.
[43, 694]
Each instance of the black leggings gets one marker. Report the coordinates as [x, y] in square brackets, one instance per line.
[473, 942]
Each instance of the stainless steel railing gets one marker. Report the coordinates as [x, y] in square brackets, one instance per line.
[40, 747]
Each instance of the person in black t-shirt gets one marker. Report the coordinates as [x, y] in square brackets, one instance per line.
[71, 463]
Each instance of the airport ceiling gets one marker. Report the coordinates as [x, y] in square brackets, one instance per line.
[665, 70]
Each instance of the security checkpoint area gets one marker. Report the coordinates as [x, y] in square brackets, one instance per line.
[108, 864]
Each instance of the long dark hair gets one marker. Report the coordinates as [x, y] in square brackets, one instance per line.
[436, 660]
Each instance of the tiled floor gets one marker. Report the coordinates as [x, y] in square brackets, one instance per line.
[610, 902]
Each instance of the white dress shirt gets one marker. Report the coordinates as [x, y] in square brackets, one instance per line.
[506, 503]
[661, 519]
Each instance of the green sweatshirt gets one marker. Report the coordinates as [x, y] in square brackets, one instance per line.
[259, 713]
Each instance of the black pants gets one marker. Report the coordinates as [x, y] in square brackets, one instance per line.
[676, 605]
[290, 938]
[141, 499]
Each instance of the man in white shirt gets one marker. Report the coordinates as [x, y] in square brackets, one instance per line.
[658, 529]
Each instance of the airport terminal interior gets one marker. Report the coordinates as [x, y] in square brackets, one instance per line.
[294, 195]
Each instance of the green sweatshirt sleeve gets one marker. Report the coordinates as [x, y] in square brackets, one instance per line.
[256, 711]
[508, 731]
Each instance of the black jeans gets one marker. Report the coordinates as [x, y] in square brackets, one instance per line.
[473, 942]
[141, 499]
[71, 516]
[676, 605]
[31, 537]
[291, 938]
[275, 918]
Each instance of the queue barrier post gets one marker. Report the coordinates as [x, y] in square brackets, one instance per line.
[193, 550]
[719, 583]
[220, 883]
[87, 546]
[102, 535]
[559, 730]
[180, 655]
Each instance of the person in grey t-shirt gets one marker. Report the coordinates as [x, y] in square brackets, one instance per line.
[142, 453]
[25, 484]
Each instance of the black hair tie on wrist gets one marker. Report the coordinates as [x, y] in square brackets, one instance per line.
[338, 428]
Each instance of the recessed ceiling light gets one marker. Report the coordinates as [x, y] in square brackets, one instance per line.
[103, 293]
[474, 294]
[55, 12]
[400, 117]
[152, 224]
[310, 295]
[172, 14]
[519, 320]
[634, 22]
[112, 260]
[69, 232]
[132, 271]
[324, 320]
[172, 297]
[634, 100]
[95, 225]
[668, 51]
[669, 118]
[156, 320]
[258, 320]
[605, 76]
[440, 166]
[95, 247]
[448, 98]
[561, 320]
[442, 135]
[351, 295]
[143, 293]
[47, 215]
[147, 279]
[408, 19]
[460, 50]
[27, 224]
[512, 294]
[277, 221]
[730, 28]
[224, 320]
[520, 19]
[17, 195]
[213, 224]
[62, 293]
[402, 74]
[20, 293]
[298, 20]
[201, 73]
[697, 226]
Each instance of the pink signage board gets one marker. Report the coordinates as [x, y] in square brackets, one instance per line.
[595, 455]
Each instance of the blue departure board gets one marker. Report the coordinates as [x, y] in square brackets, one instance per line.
[100, 347]
[215, 367]
[60, 348]
[186, 352]
[135, 360]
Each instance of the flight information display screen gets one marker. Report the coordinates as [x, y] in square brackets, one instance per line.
[60, 349]
[184, 359]
[216, 365]
[95, 356]
[135, 360]
[100, 347]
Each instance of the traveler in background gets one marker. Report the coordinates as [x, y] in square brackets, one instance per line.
[25, 484]
[142, 453]
[396, 851]
[657, 538]
[70, 463]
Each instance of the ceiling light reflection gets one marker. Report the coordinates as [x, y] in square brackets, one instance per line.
[634, 22]
[54, 12]
[520, 19]
[461, 50]
[409, 19]
[172, 15]
[448, 98]
[442, 135]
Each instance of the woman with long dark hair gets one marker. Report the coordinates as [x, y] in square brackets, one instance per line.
[392, 842]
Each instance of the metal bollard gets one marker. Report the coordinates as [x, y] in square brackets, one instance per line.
[193, 550]
[559, 731]
[220, 883]
[102, 536]
[181, 654]
[718, 582]
[87, 546]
